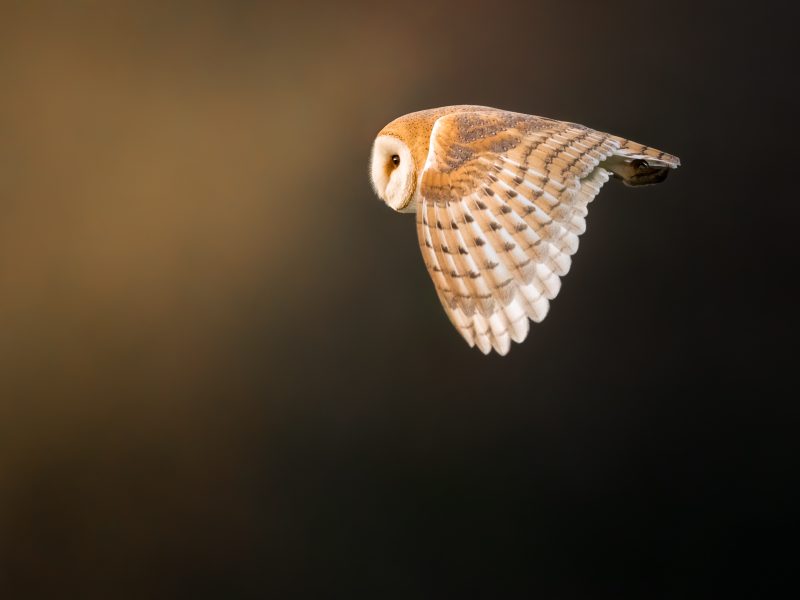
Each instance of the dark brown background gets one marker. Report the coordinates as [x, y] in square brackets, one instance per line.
[224, 372]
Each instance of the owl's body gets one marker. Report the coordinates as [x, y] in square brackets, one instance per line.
[501, 199]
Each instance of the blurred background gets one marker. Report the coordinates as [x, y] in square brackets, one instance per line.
[224, 372]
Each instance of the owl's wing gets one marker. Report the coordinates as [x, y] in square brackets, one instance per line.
[503, 198]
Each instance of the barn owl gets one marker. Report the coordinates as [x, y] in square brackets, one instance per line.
[500, 200]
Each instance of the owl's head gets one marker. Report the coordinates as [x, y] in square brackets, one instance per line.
[394, 174]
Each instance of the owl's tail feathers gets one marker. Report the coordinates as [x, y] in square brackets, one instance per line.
[637, 165]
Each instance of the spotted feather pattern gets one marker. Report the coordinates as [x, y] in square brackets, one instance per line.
[503, 199]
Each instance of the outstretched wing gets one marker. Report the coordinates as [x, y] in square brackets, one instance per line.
[503, 199]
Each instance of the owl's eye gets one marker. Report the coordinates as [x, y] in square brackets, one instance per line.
[395, 160]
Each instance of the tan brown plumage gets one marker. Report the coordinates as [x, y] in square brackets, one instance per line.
[501, 199]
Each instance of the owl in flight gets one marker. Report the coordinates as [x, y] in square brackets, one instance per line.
[500, 200]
